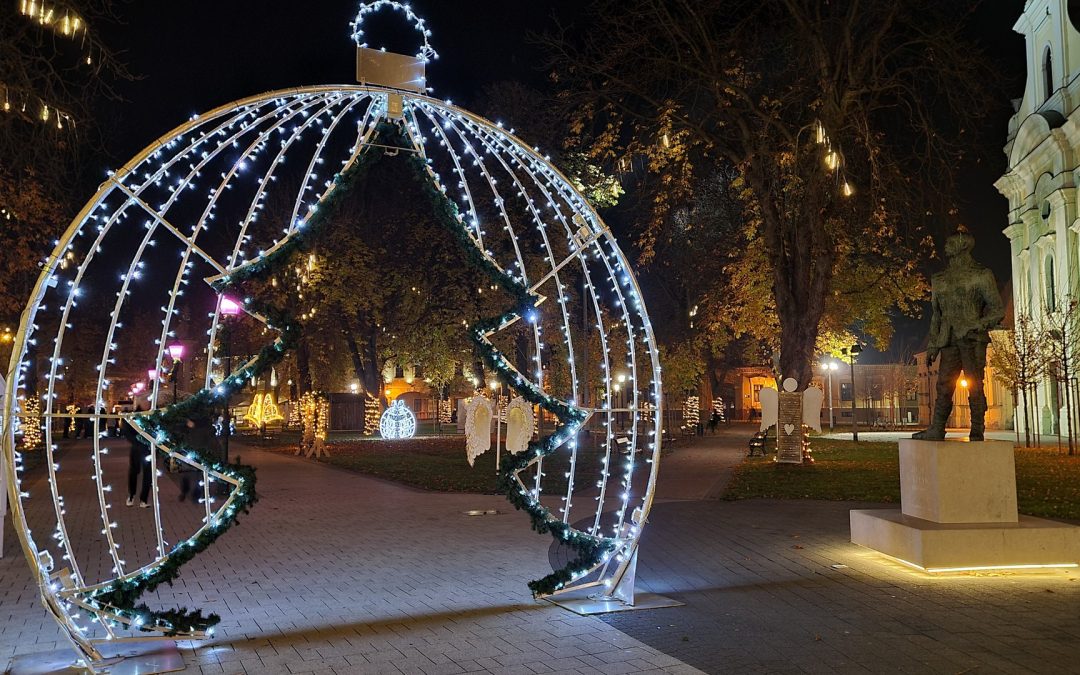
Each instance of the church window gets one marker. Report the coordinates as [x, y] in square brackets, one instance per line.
[1048, 73]
[1051, 301]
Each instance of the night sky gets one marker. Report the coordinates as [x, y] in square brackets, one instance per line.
[195, 56]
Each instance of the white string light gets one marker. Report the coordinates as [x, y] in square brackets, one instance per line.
[426, 52]
[173, 193]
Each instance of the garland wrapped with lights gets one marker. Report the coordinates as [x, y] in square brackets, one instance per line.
[31, 424]
[691, 413]
[315, 421]
[591, 550]
[372, 415]
[168, 428]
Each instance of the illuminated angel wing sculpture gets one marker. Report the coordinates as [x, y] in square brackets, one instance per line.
[770, 407]
[811, 407]
[478, 416]
[519, 426]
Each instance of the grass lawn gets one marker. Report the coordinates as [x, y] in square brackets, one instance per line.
[1047, 482]
[438, 463]
[842, 470]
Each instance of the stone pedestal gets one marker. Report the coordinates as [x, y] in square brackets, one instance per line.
[958, 512]
[958, 482]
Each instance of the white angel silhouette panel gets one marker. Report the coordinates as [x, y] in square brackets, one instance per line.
[519, 425]
[811, 407]
[770, 407]
[478, 416]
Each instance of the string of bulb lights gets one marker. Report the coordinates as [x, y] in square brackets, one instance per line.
[209, 180]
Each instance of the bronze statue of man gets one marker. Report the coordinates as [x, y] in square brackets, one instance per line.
[966, 304]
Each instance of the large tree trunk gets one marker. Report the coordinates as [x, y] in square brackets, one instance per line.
[802, 269]
[354, 354]
[303, 366]
[372, 372]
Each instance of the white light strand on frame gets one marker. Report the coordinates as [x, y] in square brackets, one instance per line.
[426, 52]
[240, 149]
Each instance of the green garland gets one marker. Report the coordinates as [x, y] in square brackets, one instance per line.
[591, 550]
[168, 427]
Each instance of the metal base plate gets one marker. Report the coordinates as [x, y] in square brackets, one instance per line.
[130, 658]
[596, 604]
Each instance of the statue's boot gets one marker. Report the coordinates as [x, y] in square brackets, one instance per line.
[978, 418]
[932, 433]
[936, 430]
[977, 431]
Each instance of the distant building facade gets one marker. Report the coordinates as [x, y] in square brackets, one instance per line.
[1043, 151]
[1000, 409]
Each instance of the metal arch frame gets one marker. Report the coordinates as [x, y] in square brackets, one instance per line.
[536, 174]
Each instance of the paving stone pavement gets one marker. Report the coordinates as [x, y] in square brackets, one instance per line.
[777, 587]
[333, 572]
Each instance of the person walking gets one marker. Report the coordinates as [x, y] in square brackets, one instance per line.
[714, 420]
[138, 461]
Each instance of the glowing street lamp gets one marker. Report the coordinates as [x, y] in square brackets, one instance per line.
[852, 352]
[176, 353]
[829, 367]
[228, 306]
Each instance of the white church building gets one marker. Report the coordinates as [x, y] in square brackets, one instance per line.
[1043, 151]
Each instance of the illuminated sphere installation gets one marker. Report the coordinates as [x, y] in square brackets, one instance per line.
[397, 421]
[205, 200]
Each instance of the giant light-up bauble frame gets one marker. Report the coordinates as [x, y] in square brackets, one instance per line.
[157, 219]
[397, 422]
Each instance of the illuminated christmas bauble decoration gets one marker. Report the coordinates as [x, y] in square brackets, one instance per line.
[397, 422]
[189, 212]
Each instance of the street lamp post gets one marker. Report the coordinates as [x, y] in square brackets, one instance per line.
[229, 308]
[176, 352]
[620, 399]
[852, 352]
[495, 384]
[829, 368]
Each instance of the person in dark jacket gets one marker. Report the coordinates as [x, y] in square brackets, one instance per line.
[138, 461]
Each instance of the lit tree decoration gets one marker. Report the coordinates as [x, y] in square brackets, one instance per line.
[690, 412]
[446, 411]
[518, 220]
[31, 424]
[371, 415]
[718, 409]
[397, 422]
[315, 420]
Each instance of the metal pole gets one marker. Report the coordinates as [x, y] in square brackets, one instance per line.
[175, 377]
[227, 430]
[832, 419]
[498, 431]
[854, 413]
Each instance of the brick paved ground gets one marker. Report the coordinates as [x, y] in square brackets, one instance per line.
[412, 585]
[335, 572]
[764, 594]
